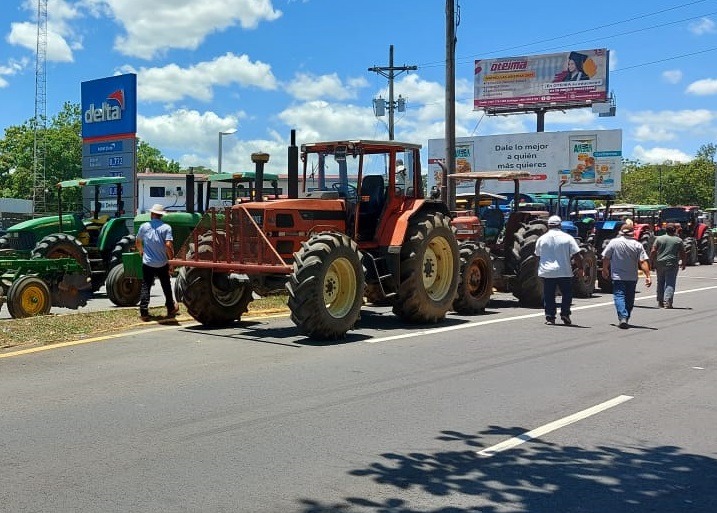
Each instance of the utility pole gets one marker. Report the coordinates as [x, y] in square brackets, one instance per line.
[448, 195]
[40, 122]
[391, 72]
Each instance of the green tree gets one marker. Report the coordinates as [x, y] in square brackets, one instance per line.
[151, 160]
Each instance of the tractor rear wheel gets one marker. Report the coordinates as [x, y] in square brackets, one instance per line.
[126, 244]
[122, 291]
[527, 287]
[63, 245]
[212, 298]
[584, 285]
[476, 285]
[326, 287]
[706, 250]
[28, 296]
[691, 250]
[429, 269]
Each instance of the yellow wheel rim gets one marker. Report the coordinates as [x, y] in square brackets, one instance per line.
[339, 288]
[33, 300]
[437, 269]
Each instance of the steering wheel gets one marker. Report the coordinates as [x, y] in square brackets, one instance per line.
[351, 190]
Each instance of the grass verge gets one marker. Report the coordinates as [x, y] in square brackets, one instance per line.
[53, 329]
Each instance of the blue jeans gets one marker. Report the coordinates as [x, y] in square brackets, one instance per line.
[666, 283]
[566, 290]
[623, 294]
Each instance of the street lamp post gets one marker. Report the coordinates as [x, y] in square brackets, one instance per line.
[219, 156]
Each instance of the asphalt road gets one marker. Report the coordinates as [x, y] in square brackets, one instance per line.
[493, 413]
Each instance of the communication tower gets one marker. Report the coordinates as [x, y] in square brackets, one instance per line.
[40, 121]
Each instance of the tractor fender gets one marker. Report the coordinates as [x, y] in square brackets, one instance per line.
[700, 230]
[392, 231]
[112, 231]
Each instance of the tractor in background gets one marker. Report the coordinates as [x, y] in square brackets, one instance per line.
[331, 245]
[696, 235]
[510, 244]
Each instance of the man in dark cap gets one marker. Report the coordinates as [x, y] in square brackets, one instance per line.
[667, 256]
[621, 259]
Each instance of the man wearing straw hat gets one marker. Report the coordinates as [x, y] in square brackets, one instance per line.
[621, 259]
[154, 243]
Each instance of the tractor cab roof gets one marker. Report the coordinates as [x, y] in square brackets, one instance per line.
[243, 176]
[90, 182]
[358, 146]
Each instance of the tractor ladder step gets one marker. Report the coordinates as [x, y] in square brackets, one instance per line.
[382, 277]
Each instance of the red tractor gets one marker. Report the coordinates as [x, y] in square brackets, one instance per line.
[336, 242]
[696, 234]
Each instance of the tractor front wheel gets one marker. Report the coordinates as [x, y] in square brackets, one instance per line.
[28, 296]
[121, 290]
[527, 286]
[212, 298]
[476, 285]
[62, 245]
[706, 249]
[584, 284]
[126, 244]
[691, 250]
[326, 287]
[429, 269]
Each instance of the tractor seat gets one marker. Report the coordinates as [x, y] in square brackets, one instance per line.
[96, 223]
[493, 223]
[373, 195]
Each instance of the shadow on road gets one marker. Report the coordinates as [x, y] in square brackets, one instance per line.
[539, 477]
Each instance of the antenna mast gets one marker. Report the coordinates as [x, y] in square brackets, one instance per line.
[40, 121]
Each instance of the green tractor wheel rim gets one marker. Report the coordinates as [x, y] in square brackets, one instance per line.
[339, 287]
[437, 269]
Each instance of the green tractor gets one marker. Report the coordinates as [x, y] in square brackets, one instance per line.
[124, 281]
[29, 247]
[90, 240]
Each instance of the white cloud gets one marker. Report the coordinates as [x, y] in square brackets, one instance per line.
[171, 83]
[703, 26]
[13, 67]
[152, 27]
[305, 86]
[672, 76]
[675, 120]
[659, 155]
[61, 38]
[652, 133]
[704, 87]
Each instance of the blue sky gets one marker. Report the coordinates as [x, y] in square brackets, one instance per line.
[269, 66]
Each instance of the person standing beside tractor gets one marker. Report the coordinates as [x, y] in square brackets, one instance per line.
[621, 259]
[556, 249]
[154, 243]
[668, 255]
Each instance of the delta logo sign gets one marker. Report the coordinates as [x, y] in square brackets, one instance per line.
[109, 107]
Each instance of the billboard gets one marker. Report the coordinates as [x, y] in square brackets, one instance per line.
[583, 160]
[109, 106]
[565, 79]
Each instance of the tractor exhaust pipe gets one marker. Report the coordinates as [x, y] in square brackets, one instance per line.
[189, 196]
[293, 168]
[259, 159]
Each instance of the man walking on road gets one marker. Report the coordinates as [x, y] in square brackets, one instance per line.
[556, 249]
[621, 259]
[154, 243]
[666, 253]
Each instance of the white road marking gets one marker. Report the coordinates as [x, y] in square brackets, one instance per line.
[433, 331]
[552, 426]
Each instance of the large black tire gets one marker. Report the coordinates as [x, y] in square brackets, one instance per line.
[527, 287]
[63, 245]
[122, 291]
[691, 250]
[212, 298]
[126, 244]
[705, 250]
[584, 284]
[28, 296]
[429, 269]
[326, 286]
[476, 279]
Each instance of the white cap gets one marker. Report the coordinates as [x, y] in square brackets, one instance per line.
[554, 221]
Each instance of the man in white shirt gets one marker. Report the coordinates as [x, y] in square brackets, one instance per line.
[557, 251]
